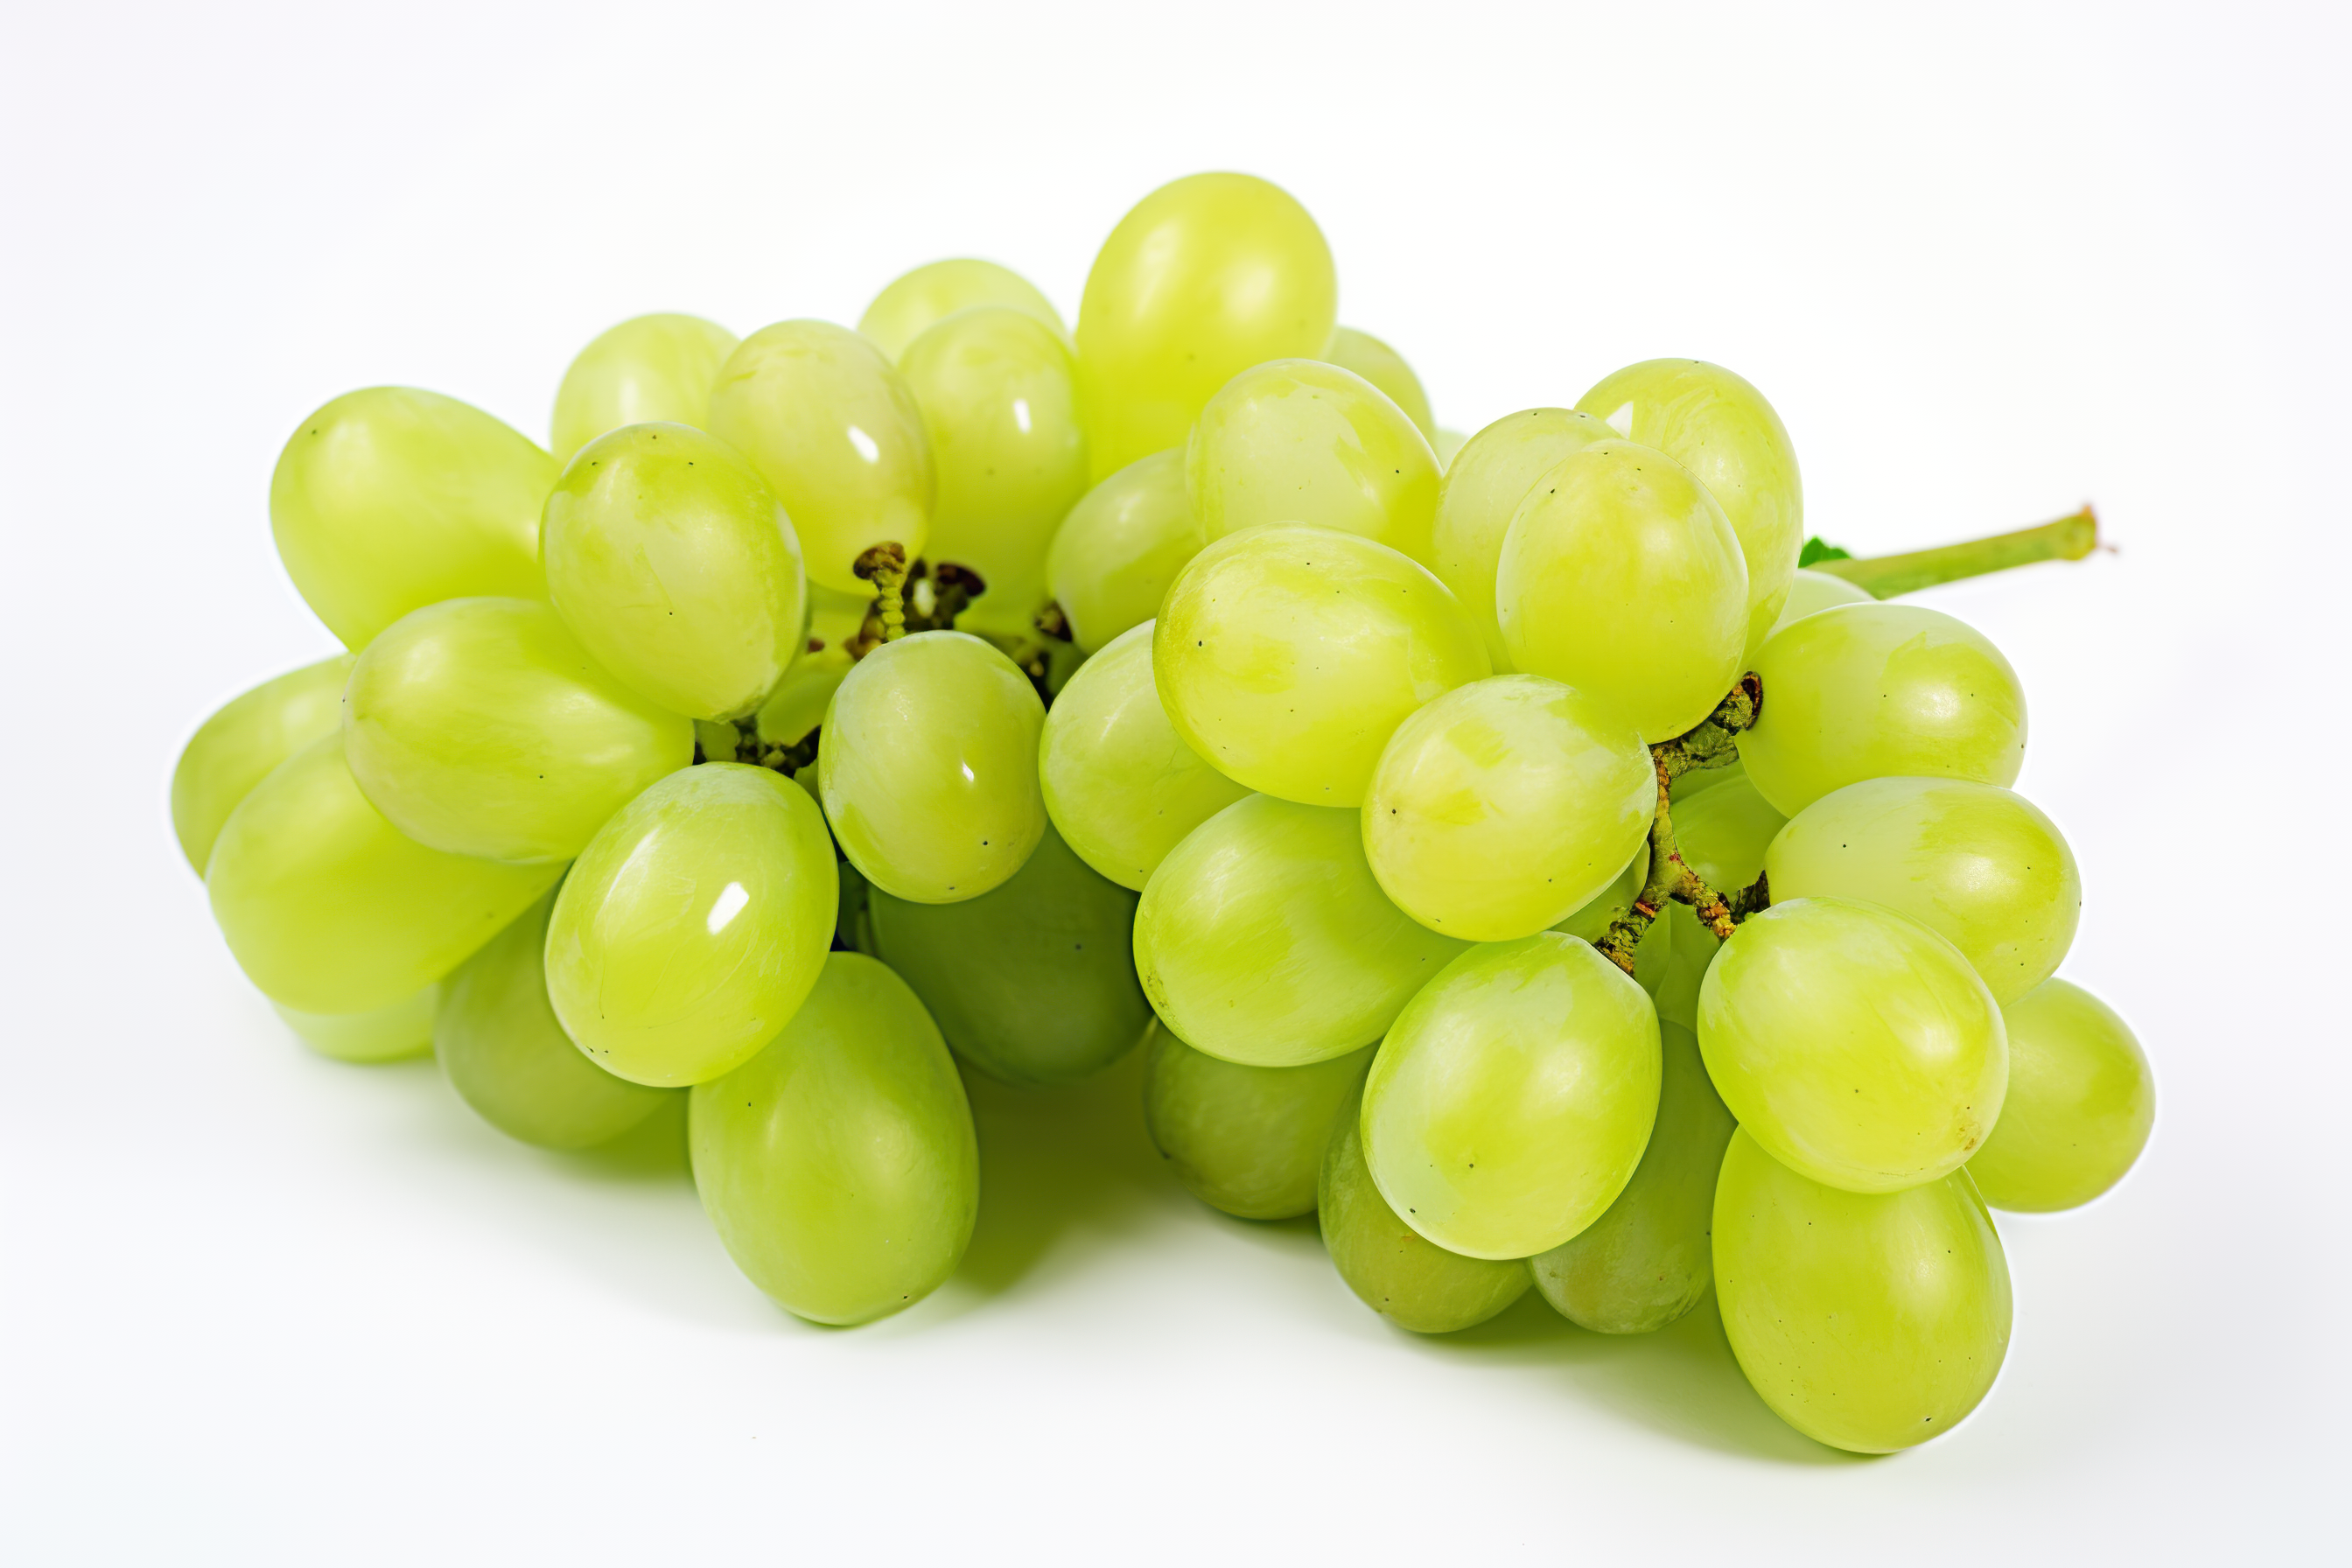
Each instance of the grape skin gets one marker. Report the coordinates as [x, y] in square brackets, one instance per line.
[1246, 1140]
[1386, 369]
[238, 747]
[2081, 1103]
[1485, 482]
[1113, 556]
[913, 302]
[648, 370]
[390, 1034]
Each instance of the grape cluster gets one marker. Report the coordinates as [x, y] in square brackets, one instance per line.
[1501, 847]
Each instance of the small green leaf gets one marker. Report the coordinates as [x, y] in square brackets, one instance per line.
[1819, 549]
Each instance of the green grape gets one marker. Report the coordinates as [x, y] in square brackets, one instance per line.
[505, 1053]
[798, 703]
[916, 300]
[1202, 280]
[1723, 431]
[1114, 554]
[480, 727]
[1977, 864]
[1289, 656]
[835, 616]
[1412, 1282]
[1385, 368]
[1296, 440]
[999, 393]
[1032, 981]
[838, 436]
[1691, 952]
[239, 746]
[1868, 692]
[1246, 1140]
[1513, 1096]
[2081, 1101]
[839, 1165]
[1653, 952]
[1506, 806]
[1854, 1043]
[674, 565]
[1810, 590]
[1485, 482]
[1264, 939]
[391, 499]
[1723, 834]
[1446, 444]
[1619, 576]
[330, 909]
[1868, 1321]
[693, 924]
[389, 1034]
[1701, 780]
[1648, 1260]
[1120, 785]
[648, 370]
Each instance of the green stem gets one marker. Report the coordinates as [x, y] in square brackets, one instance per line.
[2069, 538]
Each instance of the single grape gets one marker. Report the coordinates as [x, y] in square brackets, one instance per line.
[239, 746]
[1246, 1140]
[1691, 952]
[1446, 444]
[917, 300]
[1385, 368]
[798, 703]
[929, 767]
[1289, 656]
[839, 1165]
[1485, 482]
[1724, 835]
[1700, 780]
[1868, 692]
[1869, 1321]
[391, 499]
[1810, 590]
[2081, 1101]
[389, 1034]
[1113, 557]
[693, 925]
[648, 370]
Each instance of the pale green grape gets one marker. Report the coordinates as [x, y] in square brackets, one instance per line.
[2081, 1101]
[1114, 554]
[392, 499]
[1723, 431]
[838, 436]
[1699, 781]
[1296, 440]
[1868, 1321]
[503, 1051]
[648, 370]
[1385, 368]
[835, 616]
[1810, 590]
[1854, 1043]
[1264, 939]
[330, 909]
[1513, 1096]
[1692, 951]
[1392, 1267]
[1973, 862]
[1648, 1260]
[916, 300]
[238, 746]
[693, 924]
[1289, 656]
[1485, 482]
[1246, 1140]
[389, 1034]
[1202, 280]
[800, 699]
[1447, 444]
[674, 565]
[839, 1165]
[1619, 576]
[480, 727]
[1653, 952]
[1119, 782]
[1868, 692]
[1506, 806]
[1723, 836]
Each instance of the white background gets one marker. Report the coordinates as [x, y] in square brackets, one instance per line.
[257, 1307]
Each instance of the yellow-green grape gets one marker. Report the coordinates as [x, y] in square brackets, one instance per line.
[391, 499]
[1723, 836]
[1619, 576]
[481, 727]
[932, 292]
[1296, 440]
[1513, 1096]
[839, 1165]
[835, 616]
[1979, 865]
[1202, 280]
[1447, 444]
[929, 767]
[693, 925]
[1648, 1259]
[1392, 1267]
[674, 565]
[1854, 1043]
[1810, 590]
[1246, 1140]
[389, 1034]
[2081, 1101]
[1485, 482]
[1869, 691]
[1654, 953]
[648, 370]
[1868, 1321]
[1722, 430]
[1289, 656]
[1691, 952]
[1114, 554]
[838, 436]
[1506, 806]
[503, 1051]
[1119, 782]
[1264, 939]
[239, 746]
[999, 395]
[1700, 780]
[799, 702]
[1385, 368]
[330, 909]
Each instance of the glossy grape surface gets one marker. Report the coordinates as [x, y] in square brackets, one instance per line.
[1385, 368]
[1485, 483]
[2081, 1102]
[649, 370]
[239, 745]
[1724, 834]
[1246, 1140]
[1113, 556]
[1810, 590]
[917, 300]
[389, 1034]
